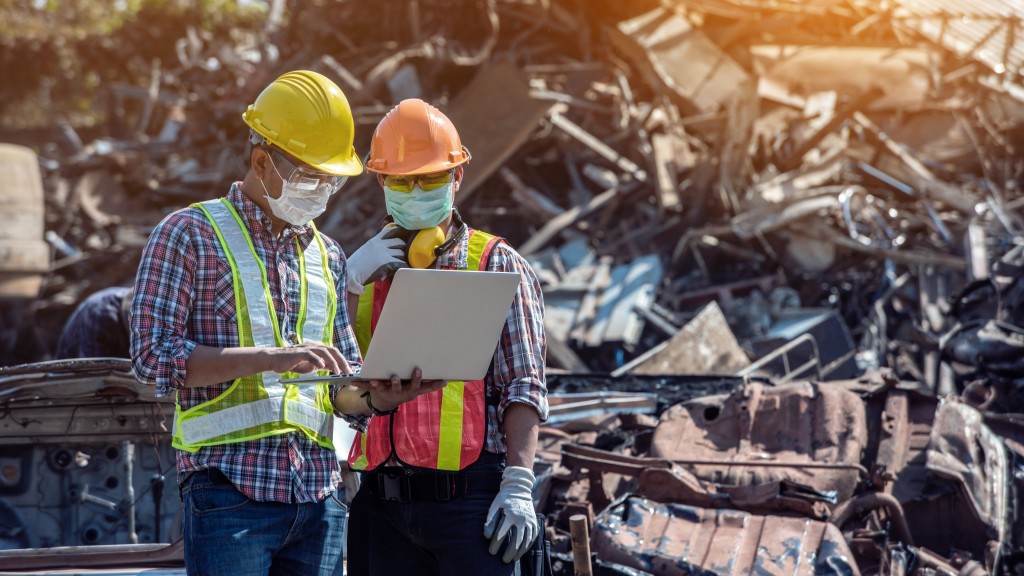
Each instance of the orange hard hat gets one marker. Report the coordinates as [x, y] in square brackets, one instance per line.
[415, 138]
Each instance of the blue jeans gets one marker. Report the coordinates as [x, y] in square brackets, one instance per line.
[229, 534]
[424, 537]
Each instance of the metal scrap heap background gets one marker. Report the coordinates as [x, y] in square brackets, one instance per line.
[817, 202]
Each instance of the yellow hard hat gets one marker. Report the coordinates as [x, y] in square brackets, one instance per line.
[305, 114]
[415, 138]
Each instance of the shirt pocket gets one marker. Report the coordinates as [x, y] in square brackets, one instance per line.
[224, 294]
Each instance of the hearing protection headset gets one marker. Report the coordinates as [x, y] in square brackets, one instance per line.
[424, 247]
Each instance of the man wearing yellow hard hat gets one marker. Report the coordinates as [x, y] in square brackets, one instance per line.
[234, 293]
[448, 478]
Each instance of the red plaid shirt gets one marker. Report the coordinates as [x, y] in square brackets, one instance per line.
[184, 297]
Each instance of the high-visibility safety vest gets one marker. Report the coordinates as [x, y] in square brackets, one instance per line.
[260, 405]
[441, 430]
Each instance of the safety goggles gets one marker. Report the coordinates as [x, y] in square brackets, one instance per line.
[427, 182]
[306, 179]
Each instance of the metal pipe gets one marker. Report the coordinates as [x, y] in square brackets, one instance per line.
[939, 565]
[783, 352]
[776, 464]
[86, 497]
[874, 501]
[129, 460]
[621, 464]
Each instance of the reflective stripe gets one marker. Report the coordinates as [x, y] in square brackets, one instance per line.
[262, 318]
[360, 462]
[449, 436]
[316, 292]
[475, 249]
[315, 306]
[310, 417]
[267, 411]
[364, 319]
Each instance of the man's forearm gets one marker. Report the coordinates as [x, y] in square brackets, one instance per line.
[522, 424]
[207, 365]
[350, 401]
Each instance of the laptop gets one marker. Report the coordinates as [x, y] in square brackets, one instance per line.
[446, 322]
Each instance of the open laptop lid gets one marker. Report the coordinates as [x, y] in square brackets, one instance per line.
[446, 322]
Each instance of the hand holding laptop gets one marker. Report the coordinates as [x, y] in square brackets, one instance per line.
[387, 395]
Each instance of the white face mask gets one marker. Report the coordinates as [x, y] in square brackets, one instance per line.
[300, 201]
[296, 206]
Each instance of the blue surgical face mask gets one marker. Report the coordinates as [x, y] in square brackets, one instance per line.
[420, 208]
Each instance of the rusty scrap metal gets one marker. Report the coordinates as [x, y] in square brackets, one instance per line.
[651, 160]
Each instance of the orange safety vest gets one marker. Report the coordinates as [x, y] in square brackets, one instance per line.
[442, 430]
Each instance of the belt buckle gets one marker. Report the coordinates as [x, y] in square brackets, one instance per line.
[444, 487]
[393, 487]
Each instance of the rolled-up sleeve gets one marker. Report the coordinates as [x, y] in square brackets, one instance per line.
[161, 306]
[518, 368]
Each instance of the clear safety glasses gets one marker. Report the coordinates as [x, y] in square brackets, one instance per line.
[306, 179]
[427, 181]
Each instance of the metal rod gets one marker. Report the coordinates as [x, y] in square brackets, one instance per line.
[783, 352]
[597, 145]
[776, 464]
[129, 468]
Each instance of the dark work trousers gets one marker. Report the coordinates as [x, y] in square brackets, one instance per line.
[424, 537]
[357, 545]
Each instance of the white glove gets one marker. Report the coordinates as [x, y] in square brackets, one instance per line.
[373, 260]
[512, 514]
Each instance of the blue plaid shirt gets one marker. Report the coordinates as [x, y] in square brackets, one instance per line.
[184, 297]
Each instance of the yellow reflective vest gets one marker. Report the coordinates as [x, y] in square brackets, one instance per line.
[260, 405]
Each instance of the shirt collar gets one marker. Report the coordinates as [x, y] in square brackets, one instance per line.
[458, 257]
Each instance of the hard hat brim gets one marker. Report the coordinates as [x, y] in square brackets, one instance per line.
[345, 164]
[410, 167]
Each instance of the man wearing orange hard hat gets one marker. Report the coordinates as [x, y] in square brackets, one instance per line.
[448, 477]
[231, 295]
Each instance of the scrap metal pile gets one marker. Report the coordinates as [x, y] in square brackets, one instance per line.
[812, 209]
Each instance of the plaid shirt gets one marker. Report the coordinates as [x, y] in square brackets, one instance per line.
[184, 297]
[517, 370]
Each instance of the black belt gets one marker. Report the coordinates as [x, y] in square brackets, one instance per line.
[401, 487]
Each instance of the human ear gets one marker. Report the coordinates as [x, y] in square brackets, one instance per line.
[457, 179]
[260, 161]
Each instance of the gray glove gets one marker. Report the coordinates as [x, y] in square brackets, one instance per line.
[512, 514]
[375, 259]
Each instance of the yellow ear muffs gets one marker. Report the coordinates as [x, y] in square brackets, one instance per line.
[423, 245]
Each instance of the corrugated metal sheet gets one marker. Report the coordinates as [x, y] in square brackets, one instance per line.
[986, 30]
